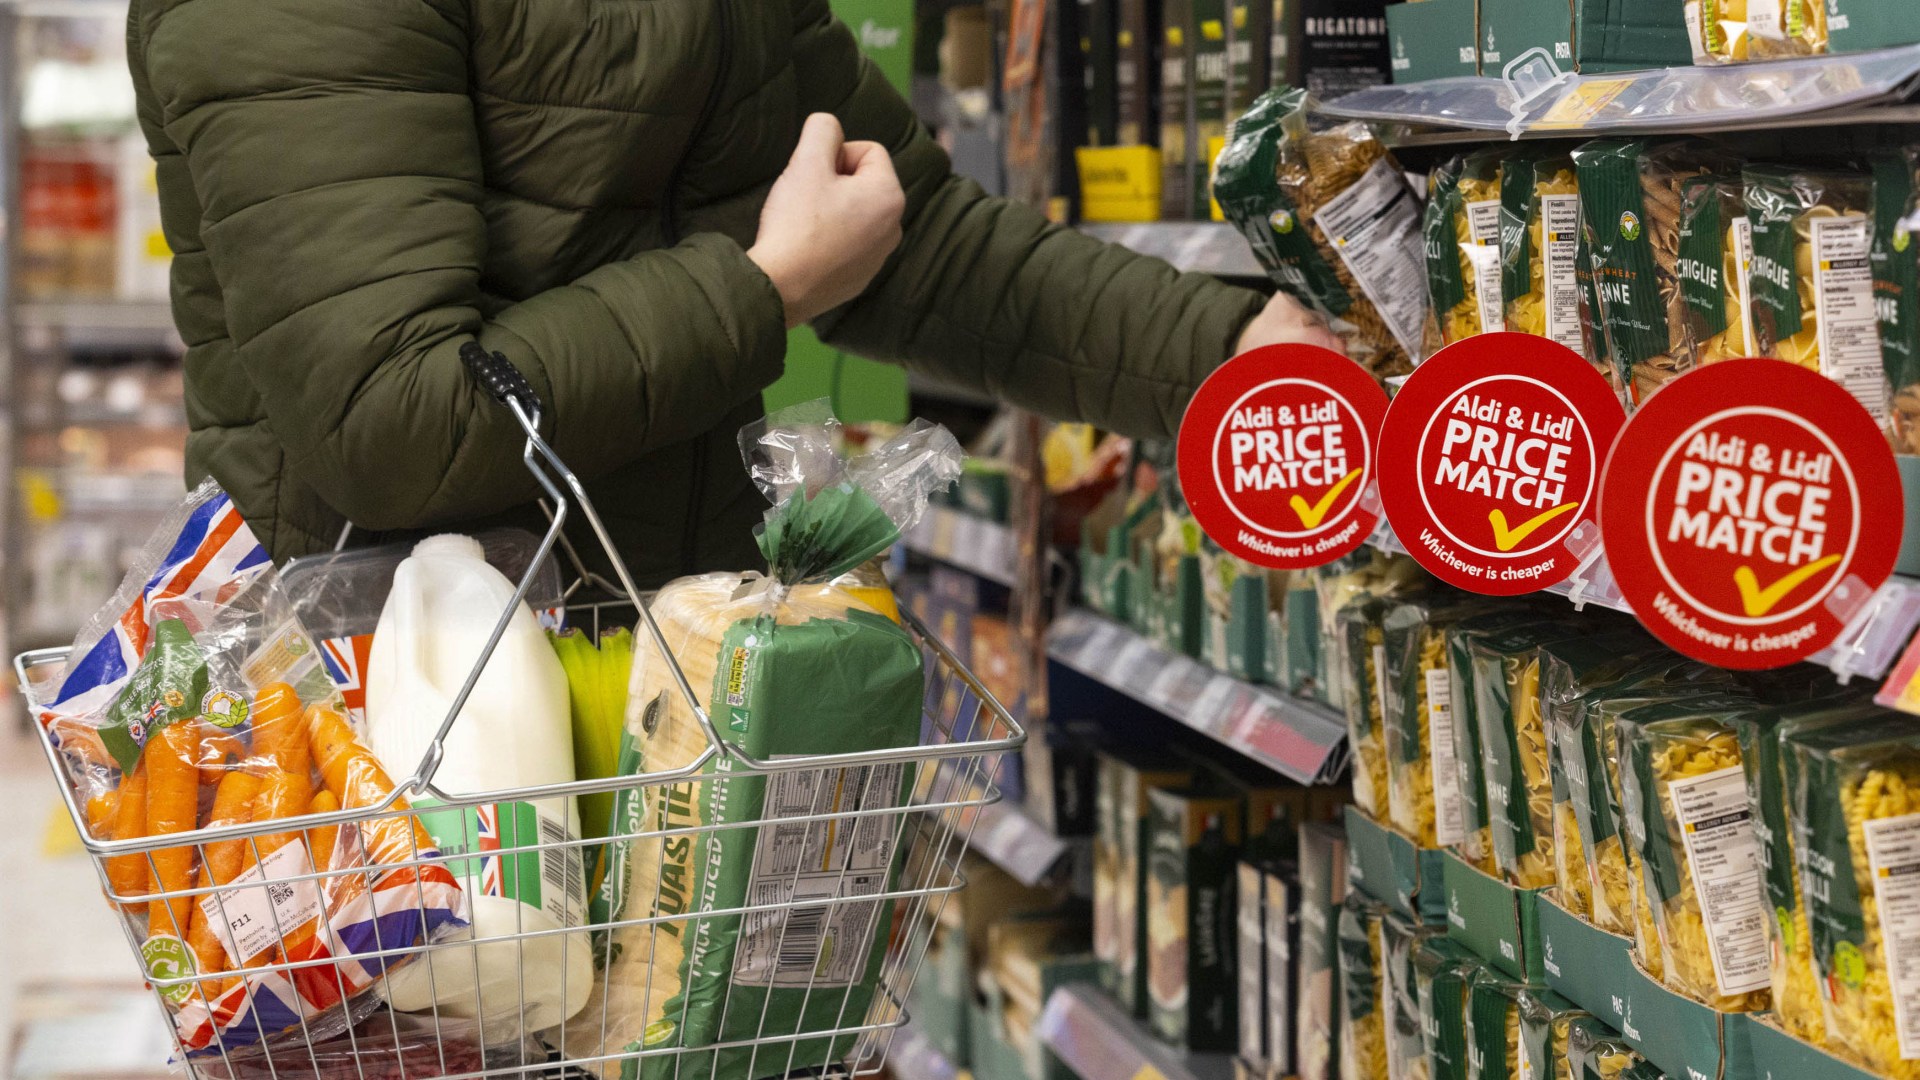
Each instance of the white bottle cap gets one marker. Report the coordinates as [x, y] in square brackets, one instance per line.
[453, 545]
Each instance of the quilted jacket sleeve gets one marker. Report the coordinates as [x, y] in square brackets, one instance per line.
[988, 293]
[332, 147]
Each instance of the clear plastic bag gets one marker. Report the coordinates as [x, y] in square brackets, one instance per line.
[1540, 251]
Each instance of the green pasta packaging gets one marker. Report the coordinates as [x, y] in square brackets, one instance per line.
[1716, 244]
[1493, 1026]
[1406, 1047]
[1363, 655]
[1546, 1026]
[1443, 972]
[1363, 1038]
[1896, 289]
[1513, 749]
[1423, 780]
[1596, 1052]
[1855, 814]
[1476, 847]
[1540, 248]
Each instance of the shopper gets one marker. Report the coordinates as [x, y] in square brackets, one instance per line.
[630, 199]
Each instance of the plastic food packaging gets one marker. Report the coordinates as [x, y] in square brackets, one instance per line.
[1855, 814]
[1423, 780]
[1896, 289]
[1363, 1038]
[1332, 219]
[1493, 1026]
[1796, 997]
[196, 702]
[513, 732]
[1336, 585]
[391, 1047]
[1462, 227]
[1811, 282]
[1539, 251]
[1513, 749]
[1630, 209]
[1546, 1025]
[1443, 970]
[1364, 659]
[1463, 677]
[1716, 247]
[1733, 31]
[1406, 1046]
[771, 654]
[1702, 856]
[1595, 1052]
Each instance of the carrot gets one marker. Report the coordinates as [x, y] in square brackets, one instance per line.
[323, 839]
[173, 806]
[100, 811]
[355, 777]
[278, 733]
[127, 875]
[220, 752]
[232, 805]
[283, 795]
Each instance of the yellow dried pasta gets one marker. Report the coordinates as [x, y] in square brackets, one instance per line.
[1571, 875]
[1410, 798]
[1361, 642]
[1534, 866]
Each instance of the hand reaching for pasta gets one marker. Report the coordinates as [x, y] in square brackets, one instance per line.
[1284, 321]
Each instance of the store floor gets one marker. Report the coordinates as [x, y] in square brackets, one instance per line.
[70, 1005]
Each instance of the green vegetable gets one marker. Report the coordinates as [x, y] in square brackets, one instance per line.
[597, 682]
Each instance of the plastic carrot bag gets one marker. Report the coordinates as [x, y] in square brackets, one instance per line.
[785, 663]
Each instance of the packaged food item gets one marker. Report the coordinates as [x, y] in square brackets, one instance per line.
[1796, 998]
[1732, 31]
[1811, 280]
[1268, 935]
[196, 701]
[514, 731]
[1193, 843]
[1630, 206]
[1323, 893]
[1451, 307]
[1546, 1025]
[1596, 1052]
[597, 674]
[1119, 874]
[1493, 1026]
[1363, 1033]
[1461, 224]
[1569, 670]
[1332, 219]
[1513, 749]
[1423, 778]
[1702, 857]
[1716, 246]
[1539, 250]
[771, 653]
[1406, 1046]
[1856, 821]
[1463, 677]
[1364, 656]
[1443, 970]
[1896, 289]
[1365, 573]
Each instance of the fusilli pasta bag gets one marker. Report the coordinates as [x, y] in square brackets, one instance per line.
[1406, 1049]
[1443, 971]
[1463, 679]
[1493, 1026]
[1540, 251]
[1855, 813]
[1423, 781]
[1363, 652]
[1363, 1039]
[1896, 289]
[1513, 750]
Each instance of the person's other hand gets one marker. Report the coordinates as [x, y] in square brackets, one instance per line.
[1284, 321]
[830, 220]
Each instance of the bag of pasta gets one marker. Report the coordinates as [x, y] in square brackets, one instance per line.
[1856, 818]
[1336, 585]
[1896, 289]
[1363, 655]
[1333, 221]
[1811, 282]
[1796, 999]
[1443, 970]
[1596, 1052]
[1363, 1033]
[1423, 780]
[1546, 1025]
[1732, 31]
[1406, 1048]
[787, 664]
[1570, 670]
[1716, 245]
[1539, 252]
[1462, 226]
[1513, 749]
[1702, 856]
[1493, 1026]
[1451, 305]
[1463, 689]
[1630, 205]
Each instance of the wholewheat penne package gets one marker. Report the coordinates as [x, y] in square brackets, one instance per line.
[1896, 289]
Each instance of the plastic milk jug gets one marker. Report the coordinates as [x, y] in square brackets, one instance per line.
[513, 732]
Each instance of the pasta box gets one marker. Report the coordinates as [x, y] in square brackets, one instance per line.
[1193, 844]
[1433, 39]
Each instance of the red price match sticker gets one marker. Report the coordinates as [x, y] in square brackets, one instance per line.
[1751, 508]
[1492, 454]
[1276, 455]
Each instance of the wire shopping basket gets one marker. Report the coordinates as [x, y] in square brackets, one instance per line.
[794, 958]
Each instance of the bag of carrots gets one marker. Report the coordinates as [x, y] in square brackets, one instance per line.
[200, 712]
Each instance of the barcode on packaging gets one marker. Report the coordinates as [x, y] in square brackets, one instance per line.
[1893, 855]
[1716, 824]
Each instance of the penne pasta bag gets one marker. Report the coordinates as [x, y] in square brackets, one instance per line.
[1896, 289]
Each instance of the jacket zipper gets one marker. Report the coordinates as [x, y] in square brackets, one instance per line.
[670, 233]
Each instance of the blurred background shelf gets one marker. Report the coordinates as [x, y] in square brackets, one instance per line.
[974, 544]
[1098, 1041]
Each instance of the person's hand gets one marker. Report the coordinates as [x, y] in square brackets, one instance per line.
[1283, 321]
[830, 220]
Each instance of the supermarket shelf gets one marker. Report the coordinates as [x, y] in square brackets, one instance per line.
[1016, 843]
[101, 324]
[976, 545]
[1299, 739]
[914, 1057]
[1208, 247]
[1860, 88]
[1867, 647]
[1098, 1041]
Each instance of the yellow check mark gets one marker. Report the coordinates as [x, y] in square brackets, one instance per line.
[1758, 601]
[1507, 539]
[1311, 516]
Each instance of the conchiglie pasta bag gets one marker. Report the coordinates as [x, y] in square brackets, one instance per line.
[1716, 247]
[514, 731]
[786, 665]
[1811, 282]
[1856, 824]
[1546, 1029]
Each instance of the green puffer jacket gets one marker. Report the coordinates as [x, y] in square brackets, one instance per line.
[355, 188]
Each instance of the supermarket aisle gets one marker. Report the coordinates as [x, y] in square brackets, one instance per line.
[66, 971]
